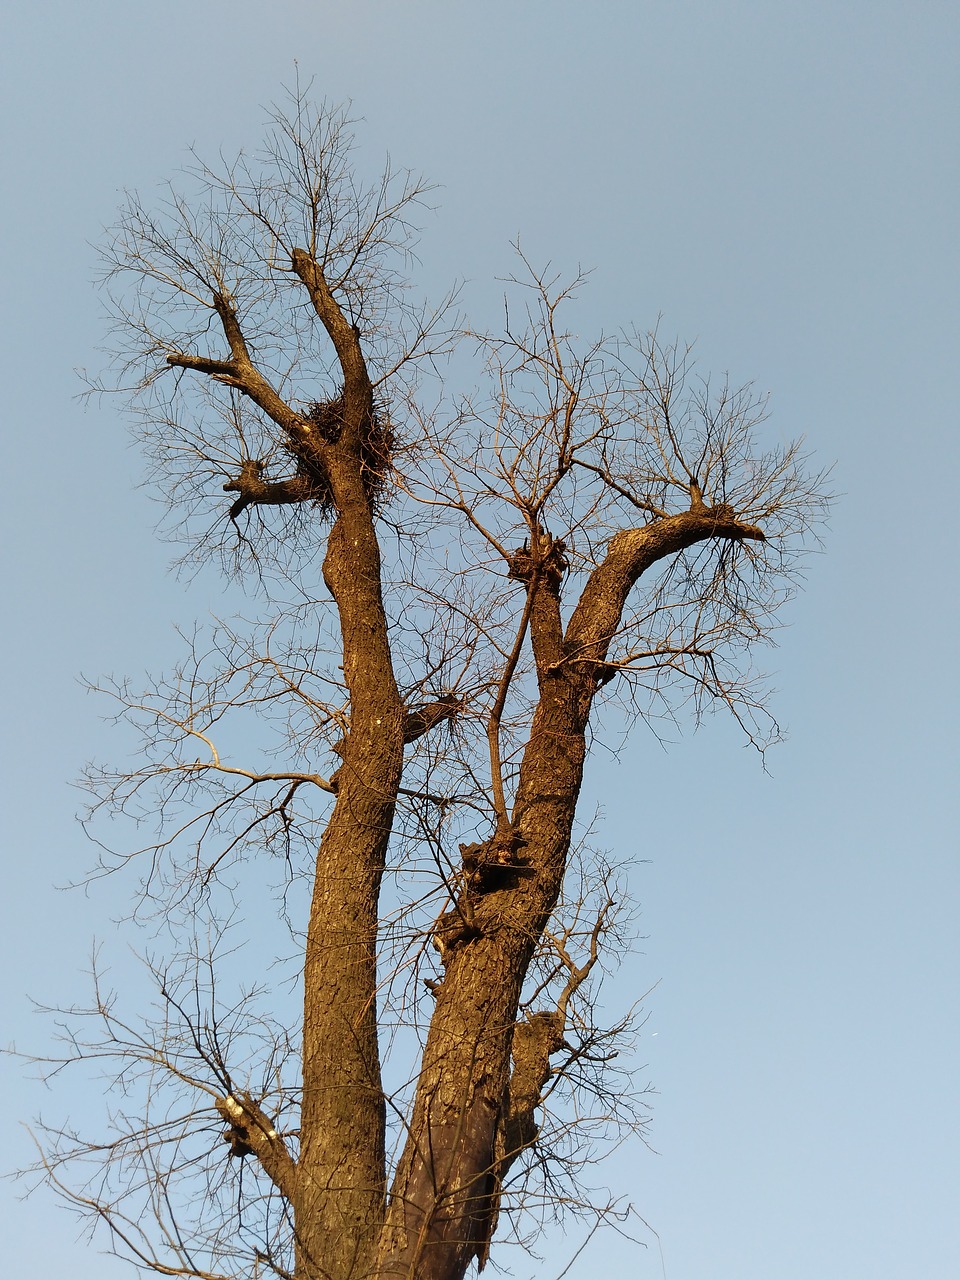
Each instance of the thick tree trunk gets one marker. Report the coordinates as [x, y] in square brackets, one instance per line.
[341, 1178]
[443, 1200]
[341, 1181]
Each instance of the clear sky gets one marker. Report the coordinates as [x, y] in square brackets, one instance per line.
[779, 182]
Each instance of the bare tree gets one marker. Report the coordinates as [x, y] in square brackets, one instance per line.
[386, 765]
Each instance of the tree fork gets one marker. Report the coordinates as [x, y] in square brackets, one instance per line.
[443, 1203]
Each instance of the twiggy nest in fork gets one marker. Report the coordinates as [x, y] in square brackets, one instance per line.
[376, 453]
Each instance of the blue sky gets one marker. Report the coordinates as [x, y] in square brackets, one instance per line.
[775, 180]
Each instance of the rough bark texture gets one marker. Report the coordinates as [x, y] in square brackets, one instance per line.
[443, 1200]
[338, 1191]
[341, 1185]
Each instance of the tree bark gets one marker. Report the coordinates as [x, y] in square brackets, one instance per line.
[444, 1196]
[341, 1176]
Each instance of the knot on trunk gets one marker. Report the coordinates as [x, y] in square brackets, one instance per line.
[495, 863]
[455, 928]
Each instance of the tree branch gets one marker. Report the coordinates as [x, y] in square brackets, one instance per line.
[252, 1133]
[241, 372]
[342, 334]
[255, 491]
[629, 554]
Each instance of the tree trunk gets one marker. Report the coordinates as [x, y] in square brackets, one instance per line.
[341, 1177]
[443, 1201]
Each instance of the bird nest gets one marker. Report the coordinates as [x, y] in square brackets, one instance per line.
[376, 453]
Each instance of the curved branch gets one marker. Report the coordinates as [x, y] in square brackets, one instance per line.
[255, 491]
[629, 554]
